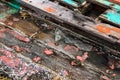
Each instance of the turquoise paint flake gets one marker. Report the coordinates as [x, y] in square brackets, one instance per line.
[14, 7]
[81, 1]
[71, 2]
[3, 16]
[14, 3]
[114, 17]
[8, 13]
[109, 4]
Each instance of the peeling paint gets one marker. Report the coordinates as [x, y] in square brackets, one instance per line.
[112, 16]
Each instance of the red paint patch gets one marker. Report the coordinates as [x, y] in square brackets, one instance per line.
[108, 30]
[116, 29]
[50, 9]
[103, 29]
[48, 51]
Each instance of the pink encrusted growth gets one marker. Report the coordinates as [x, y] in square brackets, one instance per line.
[20, 37]
[112, 66]
[48, 51]
[69, 48]
[15, 34]
[6, 52]
[36, 59]
[104, 77]
[64, 73]
[17, 48]
[18, 65]
[73, 63]
[83, 57]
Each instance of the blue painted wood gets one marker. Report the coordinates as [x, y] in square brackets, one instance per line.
[109, 4]
[73, 3]
[112, 16]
